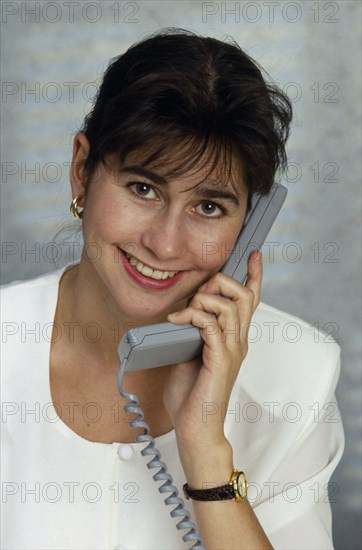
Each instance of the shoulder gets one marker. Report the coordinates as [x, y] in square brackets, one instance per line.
[20, 298]
[18, 289]
[290, 358]
[24, 286]
[296, 338]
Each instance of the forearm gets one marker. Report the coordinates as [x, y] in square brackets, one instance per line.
[223, 524]
[229, 525]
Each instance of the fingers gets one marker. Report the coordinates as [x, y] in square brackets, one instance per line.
[222, 309]
[230, 303]
[207, 310]
[228, 287]
[222, 333]
[255, 276]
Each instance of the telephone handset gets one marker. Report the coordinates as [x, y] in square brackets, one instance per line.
[165, 343]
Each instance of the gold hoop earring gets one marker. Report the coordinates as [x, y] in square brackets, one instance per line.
[74, 207]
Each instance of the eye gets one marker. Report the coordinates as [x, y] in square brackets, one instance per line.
[143, 190]
[210, 209]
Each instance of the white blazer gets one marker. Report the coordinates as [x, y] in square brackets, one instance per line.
[61, 491]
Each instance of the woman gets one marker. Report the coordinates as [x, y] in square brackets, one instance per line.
[183, 131]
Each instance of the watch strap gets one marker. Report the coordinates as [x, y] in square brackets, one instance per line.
[223, 492]
[230, 491]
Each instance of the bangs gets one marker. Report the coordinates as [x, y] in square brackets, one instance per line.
[219, 161]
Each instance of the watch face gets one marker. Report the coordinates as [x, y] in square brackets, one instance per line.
[242, 485]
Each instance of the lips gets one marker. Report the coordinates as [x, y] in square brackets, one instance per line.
[148, 271]
[139, 274]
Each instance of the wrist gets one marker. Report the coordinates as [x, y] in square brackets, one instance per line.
[211, 466]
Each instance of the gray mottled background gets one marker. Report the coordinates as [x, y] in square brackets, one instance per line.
[53, 53]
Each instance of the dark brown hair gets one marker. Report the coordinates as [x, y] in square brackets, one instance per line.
[177, 96]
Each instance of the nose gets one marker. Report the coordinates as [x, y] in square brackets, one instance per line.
[166, 238]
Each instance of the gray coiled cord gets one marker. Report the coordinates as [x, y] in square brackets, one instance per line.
[156, 462]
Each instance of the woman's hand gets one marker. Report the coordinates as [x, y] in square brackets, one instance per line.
[197, 393]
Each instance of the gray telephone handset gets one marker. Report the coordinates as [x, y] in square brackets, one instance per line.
[165, 343]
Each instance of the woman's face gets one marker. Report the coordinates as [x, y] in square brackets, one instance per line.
[150, 243]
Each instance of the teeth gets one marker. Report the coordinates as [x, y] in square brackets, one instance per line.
[148, 271]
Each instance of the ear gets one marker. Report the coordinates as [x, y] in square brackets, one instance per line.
[77, 172]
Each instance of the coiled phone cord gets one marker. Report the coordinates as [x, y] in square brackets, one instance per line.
[156, 462]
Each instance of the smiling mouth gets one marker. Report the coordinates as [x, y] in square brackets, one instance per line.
[148, 271]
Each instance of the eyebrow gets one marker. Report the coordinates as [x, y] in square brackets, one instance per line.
[206, 192]
[144, 172]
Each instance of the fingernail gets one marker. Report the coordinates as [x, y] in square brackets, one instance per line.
[173, 314]
[257, 256]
